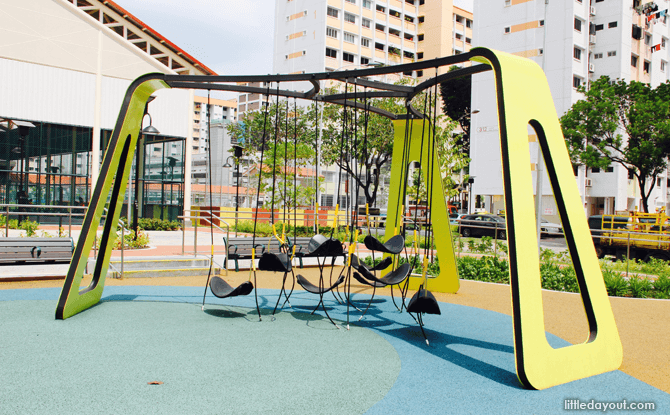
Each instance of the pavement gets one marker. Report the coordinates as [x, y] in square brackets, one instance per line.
[225, 361]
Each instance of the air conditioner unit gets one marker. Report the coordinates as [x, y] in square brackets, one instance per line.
[588, 182]
[592, 39]
[592, 68]
[593, 10]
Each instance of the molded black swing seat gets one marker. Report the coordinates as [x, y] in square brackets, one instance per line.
[321, 246]
[309, 287]
[222, 289]
[394, 277]
[365, 281]
[383, 264]
[274, 262]
[393, 246]
[423, 301]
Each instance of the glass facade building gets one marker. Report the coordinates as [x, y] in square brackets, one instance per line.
[50, 165]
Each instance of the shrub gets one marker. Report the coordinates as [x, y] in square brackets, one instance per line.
[662, 287]
[615, 283]
[156, 224]
[639, 287]
[30, 227]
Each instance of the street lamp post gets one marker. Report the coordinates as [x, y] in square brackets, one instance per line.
[237, 154]
[148, 130]
[471, 181]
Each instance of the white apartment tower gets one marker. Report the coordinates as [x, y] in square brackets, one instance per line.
[575, 42]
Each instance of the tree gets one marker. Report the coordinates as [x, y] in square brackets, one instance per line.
[456, 104]
[278, 159]
[625, 123]
[361, 156]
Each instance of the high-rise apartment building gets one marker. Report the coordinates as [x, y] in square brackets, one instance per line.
[328, 35]
[219, 110]
[575, 42]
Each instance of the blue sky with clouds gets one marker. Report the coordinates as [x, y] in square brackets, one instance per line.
[232, 37]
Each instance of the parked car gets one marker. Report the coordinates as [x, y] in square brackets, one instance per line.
[550, 229]
[455, 218]
[483, 225]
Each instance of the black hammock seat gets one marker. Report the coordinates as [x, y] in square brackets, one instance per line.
[278, 262]
[322, 246]
[364, 275]
[393, 246]
[222, 289]
[423, 302]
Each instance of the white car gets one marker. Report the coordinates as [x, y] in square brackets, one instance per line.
[550, 229]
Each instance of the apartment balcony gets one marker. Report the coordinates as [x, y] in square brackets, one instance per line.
[395, 39]
[395, 21]
[379, 54]
[410, 26]
[395, 3]
[381, 16]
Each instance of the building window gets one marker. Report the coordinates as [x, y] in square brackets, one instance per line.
[330, 32]
[576, 81]
[633, 60]
[380, 27]
[611, 53]
[459, 19]
[422, 19]
[367, 4]
[609, 169]
[365, 61]
[331, 53]
[612, 25]
[348, 37]
[508, 3]
[468, 40]
[421, 37]
[365, 42]
[578, 25]
[459, 36]
[595, 170]
[599, 27]
[540, 51]
[598, 56]
[541, 23]
[507, 29]
[380, 8]
[577, 53]
[647, 66]
[663, 40]
[347, 57]
[419, 55]
[366, 23]
[647, 39]
[333, 12]
[419, 74]
[468, 23]
[663, 66]
[350, 18]
[351, 1]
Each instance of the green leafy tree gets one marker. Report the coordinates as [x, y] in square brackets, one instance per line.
[295, 134]
[457, 105]
[625, 123]
[362, 155]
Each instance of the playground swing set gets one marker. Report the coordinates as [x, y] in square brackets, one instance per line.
[523, 98]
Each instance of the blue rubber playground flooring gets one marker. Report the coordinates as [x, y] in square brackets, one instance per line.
[223, 360]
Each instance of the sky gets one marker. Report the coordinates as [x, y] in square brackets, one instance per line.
[231, 37]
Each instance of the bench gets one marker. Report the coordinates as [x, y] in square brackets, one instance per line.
[240, 248]
[13, 250]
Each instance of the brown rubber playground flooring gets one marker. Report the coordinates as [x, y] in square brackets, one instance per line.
[644, 324]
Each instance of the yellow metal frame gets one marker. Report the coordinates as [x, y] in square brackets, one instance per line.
[523, 98]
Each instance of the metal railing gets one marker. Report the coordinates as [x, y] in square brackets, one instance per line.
[27, 211]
